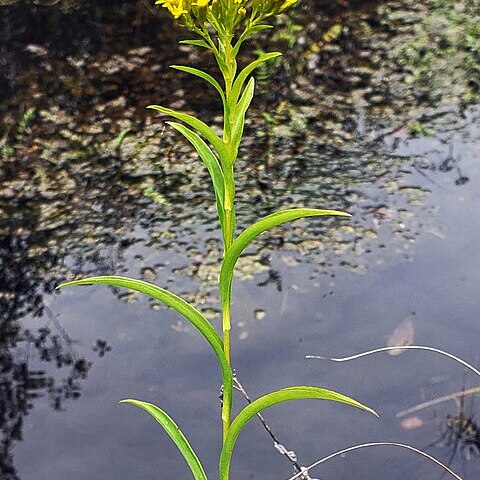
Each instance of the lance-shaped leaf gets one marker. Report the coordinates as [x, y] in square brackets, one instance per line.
[243, 75]
[198, 125]
[196, 43]
[182, 307]
[259, 28]
[273, 398]
[175, 434]
[240, 112]
[242, 241]
[211, 163]
[203, 75]
[248, 33]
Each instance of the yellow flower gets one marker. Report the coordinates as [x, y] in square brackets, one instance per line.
[177, 11]
[202, 3]
[175, 7]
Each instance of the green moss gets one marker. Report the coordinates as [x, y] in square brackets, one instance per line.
[446, 44]
[417, 129]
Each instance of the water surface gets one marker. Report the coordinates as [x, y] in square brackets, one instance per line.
[78, 201]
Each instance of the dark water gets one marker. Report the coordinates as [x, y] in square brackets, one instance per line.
[77, 201]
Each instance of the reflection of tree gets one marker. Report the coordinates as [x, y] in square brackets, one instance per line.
[42, 362]
[20, 384]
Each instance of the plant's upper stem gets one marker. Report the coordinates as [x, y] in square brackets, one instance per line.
[228, 67]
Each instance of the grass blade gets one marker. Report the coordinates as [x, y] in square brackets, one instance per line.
[211, 162]
[198, 125]
[243, 75]
[242, 241]
[374, 444]
[437, 401]
[203, 75]
[240, 112]
[403, 347]
[175, 434]
[182, 307]
[268, 400]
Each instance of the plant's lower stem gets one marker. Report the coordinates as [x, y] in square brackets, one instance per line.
[226, 320]
[226, 333]
[226, 348]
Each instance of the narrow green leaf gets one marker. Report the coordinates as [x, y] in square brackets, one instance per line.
[203, 75]
[210, 162]
[220, 58]
[182, 307]
[248, 33]
[175, 434]
[196, 43]
[259, 28]
[273, 398]
[242, 241]
[198, 125]
[240, 112]
[243, 75]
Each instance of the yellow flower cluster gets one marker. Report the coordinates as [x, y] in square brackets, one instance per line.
[188, 12]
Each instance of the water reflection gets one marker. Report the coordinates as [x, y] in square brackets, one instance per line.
[91, 184]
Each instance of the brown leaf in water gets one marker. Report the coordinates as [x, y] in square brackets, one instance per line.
[401, 336]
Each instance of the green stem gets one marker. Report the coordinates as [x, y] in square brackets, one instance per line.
[229, 206]
[229, 201]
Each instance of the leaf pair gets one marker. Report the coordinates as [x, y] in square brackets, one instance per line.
[273, 398]
[209, 333]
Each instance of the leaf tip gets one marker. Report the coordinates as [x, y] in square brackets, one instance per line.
[65, 284]
[156, 107]
[74, 283]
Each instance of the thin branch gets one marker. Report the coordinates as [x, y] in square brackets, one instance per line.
[290, 454]
[437, 401]
[400, 347]
[376, 444]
